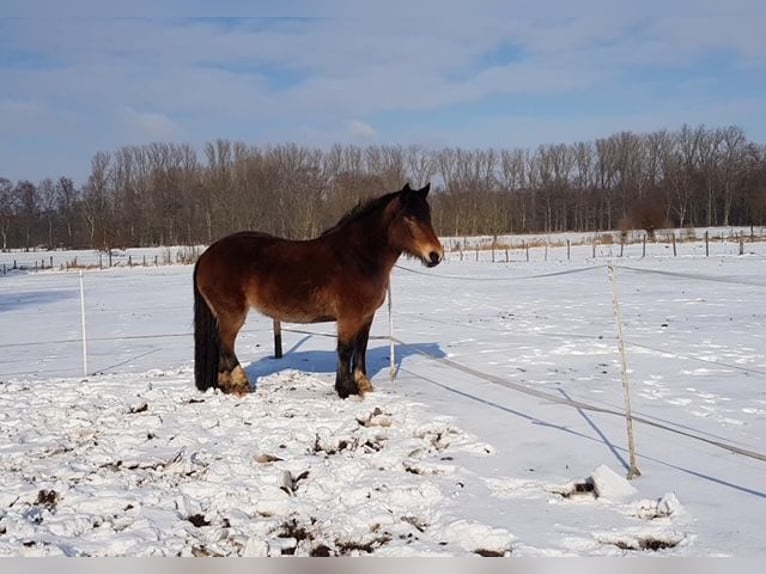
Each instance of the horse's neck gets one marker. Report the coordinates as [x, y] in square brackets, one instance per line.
[369, 241]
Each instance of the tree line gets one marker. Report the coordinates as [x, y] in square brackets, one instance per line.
[173, 194]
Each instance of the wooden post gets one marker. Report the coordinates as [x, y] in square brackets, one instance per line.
[546, 252]
[633, 471]
[643, 252]
[707, 244]
[673, 237]
[51, 265]
[277, 339]
[506, 255]
[741, 244]
[622, 245]
[569, 245]
[594, 249]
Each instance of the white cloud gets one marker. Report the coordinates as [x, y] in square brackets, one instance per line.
[148, 126]
[361, 130]
[275, 80]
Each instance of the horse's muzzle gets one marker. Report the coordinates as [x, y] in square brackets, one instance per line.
[434, 258]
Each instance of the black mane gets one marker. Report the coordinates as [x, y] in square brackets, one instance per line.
[361, 209]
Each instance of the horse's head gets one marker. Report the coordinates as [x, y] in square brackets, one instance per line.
[410, 230]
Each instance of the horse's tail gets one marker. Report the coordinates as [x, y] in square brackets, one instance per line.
[207, 353]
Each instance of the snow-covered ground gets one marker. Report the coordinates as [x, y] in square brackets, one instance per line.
[499, 436]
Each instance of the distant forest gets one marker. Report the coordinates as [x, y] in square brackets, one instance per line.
[174, 194]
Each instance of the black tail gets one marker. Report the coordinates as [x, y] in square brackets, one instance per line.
[207, 353]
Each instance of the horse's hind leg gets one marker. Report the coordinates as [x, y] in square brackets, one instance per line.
[231, 375]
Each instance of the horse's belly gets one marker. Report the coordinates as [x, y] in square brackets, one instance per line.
[308, 308]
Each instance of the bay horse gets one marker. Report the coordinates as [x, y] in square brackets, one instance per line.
[341, 276]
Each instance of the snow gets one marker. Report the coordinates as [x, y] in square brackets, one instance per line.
[500, 436]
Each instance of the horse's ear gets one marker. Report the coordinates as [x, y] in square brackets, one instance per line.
[423, 191]
[406, 188]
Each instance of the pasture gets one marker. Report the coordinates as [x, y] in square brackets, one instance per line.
[500, 435]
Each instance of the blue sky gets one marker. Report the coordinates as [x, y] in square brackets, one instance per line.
[82, 76]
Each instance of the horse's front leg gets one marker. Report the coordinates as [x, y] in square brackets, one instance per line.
[359, 359]
[345, 384]
[351, 331]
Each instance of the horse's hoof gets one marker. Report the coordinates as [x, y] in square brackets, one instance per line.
[346, 388]
[234, 382]
[363, 383]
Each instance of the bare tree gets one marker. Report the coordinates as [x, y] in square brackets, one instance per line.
[28, 202]
[47, 192]
[66, 204]
[97, 204]
[8, 208]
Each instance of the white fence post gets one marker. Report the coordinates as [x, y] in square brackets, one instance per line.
[392, 360]
[84, 336]
[633, 471]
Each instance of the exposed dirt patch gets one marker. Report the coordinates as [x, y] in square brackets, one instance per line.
[198, 520]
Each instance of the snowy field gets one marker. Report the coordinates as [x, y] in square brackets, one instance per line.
[500, 436]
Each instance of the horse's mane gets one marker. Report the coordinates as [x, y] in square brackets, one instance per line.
[361, 209]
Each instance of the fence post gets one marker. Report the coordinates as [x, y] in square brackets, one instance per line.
[277, 339]
[569, 245]
[633, 471]
[594, 249]
[707, 244]
[741, 244]
[643, 252]
[391, 350]
[82, 318]
[546, 252]
[673, 237]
